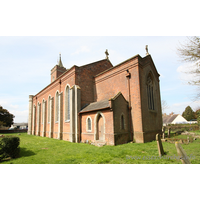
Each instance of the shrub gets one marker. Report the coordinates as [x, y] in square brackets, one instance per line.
[9, 147]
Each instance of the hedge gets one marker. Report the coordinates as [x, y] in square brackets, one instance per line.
[9, 147]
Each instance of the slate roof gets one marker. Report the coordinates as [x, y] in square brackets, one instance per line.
[169, 119]
[96, 106]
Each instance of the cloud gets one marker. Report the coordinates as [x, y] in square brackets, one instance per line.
[20, 116]
[19, 109]
[187, 72]
[179, 107]
[82, 49]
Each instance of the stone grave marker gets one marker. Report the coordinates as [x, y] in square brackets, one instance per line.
[181, 153]
[168, 134]
[160, 147]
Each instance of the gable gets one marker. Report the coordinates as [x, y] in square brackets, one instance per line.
[148, 62]
[179, 120]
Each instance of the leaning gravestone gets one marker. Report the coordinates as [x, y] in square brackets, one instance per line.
[181, 153]
[160, 147]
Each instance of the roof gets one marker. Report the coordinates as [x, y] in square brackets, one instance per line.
[118, 65]
[101, 104]
[96, 106]
[67, 71]
[168, 119]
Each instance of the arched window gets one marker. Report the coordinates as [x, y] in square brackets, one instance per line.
[38, 114]
[43, 110]
[150, 94]
[49, 99]
[89, 124]
[122, 122]
[57, 106]
[67, 103]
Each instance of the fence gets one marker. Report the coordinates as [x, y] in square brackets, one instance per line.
[14, 131]
[179, 127]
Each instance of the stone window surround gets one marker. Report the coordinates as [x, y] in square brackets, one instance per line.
[65, 111]
[48, 109]
[43, 109]
[87, 124]
[150, 92]
[57, 107]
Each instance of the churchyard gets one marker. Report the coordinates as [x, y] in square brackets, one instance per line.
[42, 150]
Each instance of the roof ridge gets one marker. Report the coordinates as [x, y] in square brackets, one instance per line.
[118, 64]
[93, 62]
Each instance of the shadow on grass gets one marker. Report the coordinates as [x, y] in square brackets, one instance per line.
[25, 153]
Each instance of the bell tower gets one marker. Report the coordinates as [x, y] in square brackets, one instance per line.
[57, 70]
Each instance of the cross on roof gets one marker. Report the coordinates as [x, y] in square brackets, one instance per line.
[106, 52]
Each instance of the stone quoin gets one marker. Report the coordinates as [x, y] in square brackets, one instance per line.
[99, 102]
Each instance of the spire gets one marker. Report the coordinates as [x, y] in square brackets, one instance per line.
[60, 62]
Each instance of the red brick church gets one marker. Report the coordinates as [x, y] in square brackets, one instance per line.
[99, 102]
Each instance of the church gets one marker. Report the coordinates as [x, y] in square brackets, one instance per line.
[99, 102]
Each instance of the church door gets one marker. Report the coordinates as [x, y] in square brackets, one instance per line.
[100, 128]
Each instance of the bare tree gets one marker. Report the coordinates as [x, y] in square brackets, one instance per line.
[190, 52]
[164, 106]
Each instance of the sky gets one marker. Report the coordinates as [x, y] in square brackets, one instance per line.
[26, 61]
[33, 34]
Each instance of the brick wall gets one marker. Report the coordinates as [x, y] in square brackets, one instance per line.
[111, 82]
[152, 120]
[85, 79]
[121, 132]
[90, 135]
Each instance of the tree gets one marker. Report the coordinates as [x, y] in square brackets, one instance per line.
[190, 52]
[196, 112]
[164, 106]
[188, 114]
[6, 118]
[198, 116]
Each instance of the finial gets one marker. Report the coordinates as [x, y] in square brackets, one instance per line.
[147, 53]
[106, 52]
[60, 62]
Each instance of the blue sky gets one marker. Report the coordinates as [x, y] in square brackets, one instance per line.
[26, 61]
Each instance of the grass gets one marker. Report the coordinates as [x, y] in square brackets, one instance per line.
[42, 150]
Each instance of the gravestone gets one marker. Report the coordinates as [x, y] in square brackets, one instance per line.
[181, 153]
[188, 139]
[168, 134]
[160, 147]
[163, 135]
[163, 129]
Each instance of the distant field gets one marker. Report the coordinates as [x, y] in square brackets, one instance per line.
[39, 150]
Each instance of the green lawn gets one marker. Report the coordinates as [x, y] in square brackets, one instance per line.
[39, 150]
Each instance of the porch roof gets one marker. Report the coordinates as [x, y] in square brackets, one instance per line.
[96, 106]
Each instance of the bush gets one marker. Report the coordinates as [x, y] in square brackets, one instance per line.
[9, 147]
